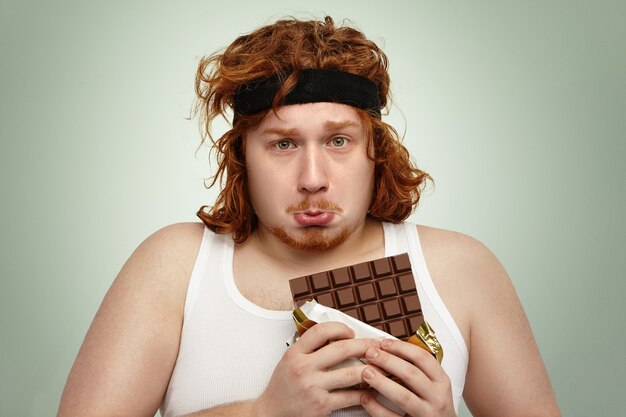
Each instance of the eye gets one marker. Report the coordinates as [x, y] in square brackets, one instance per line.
[339, 142]
[283, 145]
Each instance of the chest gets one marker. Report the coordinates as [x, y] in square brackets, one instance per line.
[268, 294]
[264, 285]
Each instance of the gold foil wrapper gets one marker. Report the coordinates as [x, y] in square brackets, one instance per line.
[302, 322]
[425, 338]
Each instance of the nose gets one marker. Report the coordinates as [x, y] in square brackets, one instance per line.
[313, 172]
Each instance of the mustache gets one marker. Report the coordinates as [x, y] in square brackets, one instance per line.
[322, 204]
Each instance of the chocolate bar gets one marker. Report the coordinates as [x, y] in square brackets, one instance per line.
[380, 293]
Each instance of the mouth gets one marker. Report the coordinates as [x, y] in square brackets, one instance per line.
[314, 218]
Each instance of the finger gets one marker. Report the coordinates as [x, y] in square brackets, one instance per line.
[410, 374]
[374, 408]
[335, 353]
[417, 356]
[396, 393]
[320, 334]
[347, 377]
[344, 398]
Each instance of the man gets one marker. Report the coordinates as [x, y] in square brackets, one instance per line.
[313, 180]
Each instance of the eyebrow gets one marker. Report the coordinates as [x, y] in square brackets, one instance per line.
[329, 125]
[281, 132]
[332, 125]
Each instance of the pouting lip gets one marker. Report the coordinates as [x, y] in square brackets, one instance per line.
[314, 212]
[314, 218]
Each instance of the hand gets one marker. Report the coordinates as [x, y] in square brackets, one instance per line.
[303, 385]
[427, 390]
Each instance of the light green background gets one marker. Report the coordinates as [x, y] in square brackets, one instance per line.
[517, 109]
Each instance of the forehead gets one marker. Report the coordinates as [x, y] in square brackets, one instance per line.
[329, 116]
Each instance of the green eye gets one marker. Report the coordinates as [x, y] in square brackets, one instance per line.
[339, 142]
[283, 145]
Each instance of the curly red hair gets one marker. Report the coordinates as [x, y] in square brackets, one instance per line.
[283, 49]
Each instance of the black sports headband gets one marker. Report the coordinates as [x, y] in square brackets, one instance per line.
[313, 86]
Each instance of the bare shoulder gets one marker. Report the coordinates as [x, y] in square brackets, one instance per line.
[461, 265]
[456, 249]
[178, 244]
[163, 262]
[175, 239]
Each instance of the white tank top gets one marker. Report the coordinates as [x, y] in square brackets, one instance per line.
[229, 346]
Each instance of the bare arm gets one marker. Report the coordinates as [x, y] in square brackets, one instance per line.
[506, 375]
[124, 365]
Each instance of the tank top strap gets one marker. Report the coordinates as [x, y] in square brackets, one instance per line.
[426, 281]
[395, 239]
[198, 272]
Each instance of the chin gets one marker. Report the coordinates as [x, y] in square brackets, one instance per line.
[314, 238]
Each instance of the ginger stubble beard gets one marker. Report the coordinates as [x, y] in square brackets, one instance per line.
[314, 237]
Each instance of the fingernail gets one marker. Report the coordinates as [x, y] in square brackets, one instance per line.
[368, 373]
[385, 342]
[371, 353]
[365, 399]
